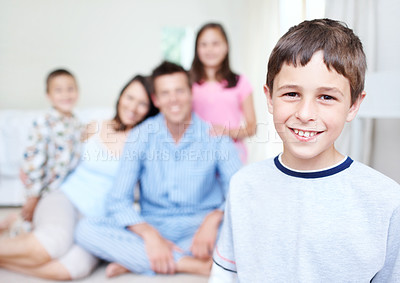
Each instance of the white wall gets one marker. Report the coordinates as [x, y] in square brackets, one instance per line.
[103, 42]
[106, 42]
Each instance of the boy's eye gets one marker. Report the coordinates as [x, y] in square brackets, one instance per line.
[327, 97]
[291, 94]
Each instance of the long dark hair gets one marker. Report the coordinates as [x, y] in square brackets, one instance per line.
[197, 72]
[145, 81]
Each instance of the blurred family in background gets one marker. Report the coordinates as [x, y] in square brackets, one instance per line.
[205, 113]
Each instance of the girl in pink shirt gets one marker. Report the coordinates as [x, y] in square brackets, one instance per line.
[220, 96]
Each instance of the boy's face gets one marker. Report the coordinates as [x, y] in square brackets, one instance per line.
[310, 106]
[63, 93]
[173, 98]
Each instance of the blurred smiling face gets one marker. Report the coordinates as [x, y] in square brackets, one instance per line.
[62, 92]
[133, 104]
[173, 97]
[212, 48]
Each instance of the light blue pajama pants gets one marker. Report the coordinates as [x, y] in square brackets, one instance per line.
[104, 239]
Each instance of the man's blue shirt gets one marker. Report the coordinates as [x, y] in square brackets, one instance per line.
[176, 179]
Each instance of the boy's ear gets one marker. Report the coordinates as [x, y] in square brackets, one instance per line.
[269, 99]
[354, 108]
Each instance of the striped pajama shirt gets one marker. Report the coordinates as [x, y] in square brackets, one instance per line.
[179, 185]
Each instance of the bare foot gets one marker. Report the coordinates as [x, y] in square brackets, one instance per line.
[115, 269]
[8, 221]
[194, 266]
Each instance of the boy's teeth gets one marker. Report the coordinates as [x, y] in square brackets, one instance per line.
[304, 133]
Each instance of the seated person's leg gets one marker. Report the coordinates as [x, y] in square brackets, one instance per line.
[113, 244]
[114, 269]
[23, 250]
[54, 222]
[186, 263]
[181, 231]
[78, 262]
[50, 270]
[194, 266]
[8, 221]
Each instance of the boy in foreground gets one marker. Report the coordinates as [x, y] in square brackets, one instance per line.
[311, 214]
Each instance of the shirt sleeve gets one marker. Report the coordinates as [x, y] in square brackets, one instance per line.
[244, 88]
[224, 256]
[35, 158]
[390, 271]
[229, 163]
[121, 198]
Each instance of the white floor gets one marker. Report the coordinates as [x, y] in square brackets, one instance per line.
[98, 276]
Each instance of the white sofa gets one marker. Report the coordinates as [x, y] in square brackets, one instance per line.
[14, 129]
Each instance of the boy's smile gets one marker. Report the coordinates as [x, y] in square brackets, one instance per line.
[310, 105]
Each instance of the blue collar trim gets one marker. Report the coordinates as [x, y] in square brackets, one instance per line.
[316, 174]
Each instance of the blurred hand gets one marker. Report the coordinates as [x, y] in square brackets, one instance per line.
[23, 177]
[29, 208]
[158, 249]
[206, 236]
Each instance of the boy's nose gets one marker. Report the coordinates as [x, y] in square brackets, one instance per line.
[306, 111]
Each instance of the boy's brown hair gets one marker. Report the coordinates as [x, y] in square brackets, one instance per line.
[56, 73]
[342, 50]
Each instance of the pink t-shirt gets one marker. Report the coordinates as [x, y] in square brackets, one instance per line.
[222, 106]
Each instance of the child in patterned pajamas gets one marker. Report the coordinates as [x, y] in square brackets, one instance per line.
[53, 148]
